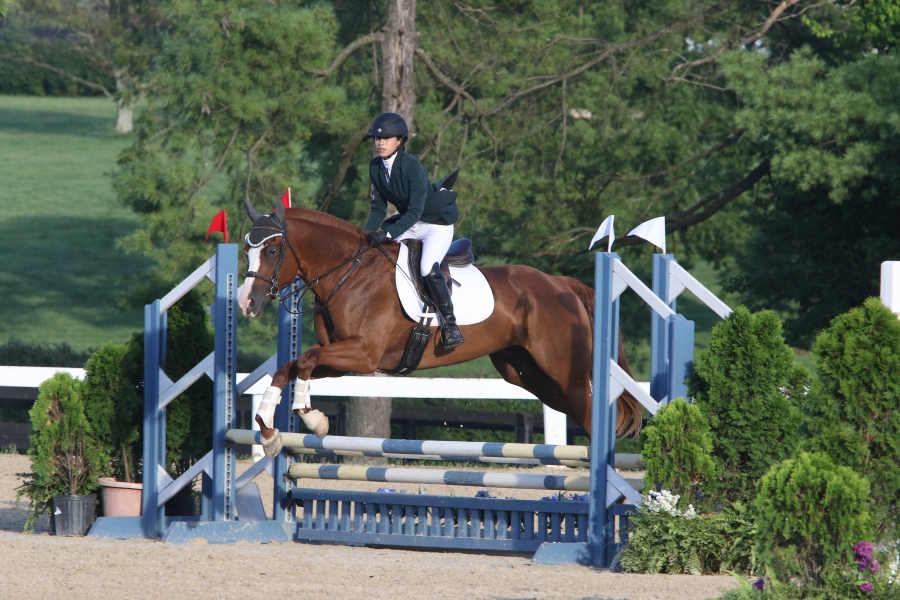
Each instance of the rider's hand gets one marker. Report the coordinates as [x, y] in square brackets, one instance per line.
[376, 238]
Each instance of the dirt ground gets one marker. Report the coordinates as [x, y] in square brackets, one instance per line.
[39, 565]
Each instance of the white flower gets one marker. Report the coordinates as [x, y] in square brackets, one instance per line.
[667, 502]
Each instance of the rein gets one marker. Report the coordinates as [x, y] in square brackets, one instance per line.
[274, 291]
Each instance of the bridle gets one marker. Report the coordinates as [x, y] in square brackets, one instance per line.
[275, 291]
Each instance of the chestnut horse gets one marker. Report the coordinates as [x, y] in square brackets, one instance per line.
[539, 336]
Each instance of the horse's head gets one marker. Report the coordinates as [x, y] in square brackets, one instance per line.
[266, 250]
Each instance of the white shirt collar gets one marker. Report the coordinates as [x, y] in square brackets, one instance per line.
[389, 163]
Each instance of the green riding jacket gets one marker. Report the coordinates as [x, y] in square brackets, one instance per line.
[410, 191]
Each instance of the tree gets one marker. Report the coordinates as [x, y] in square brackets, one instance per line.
[832, 137]
[119, 37]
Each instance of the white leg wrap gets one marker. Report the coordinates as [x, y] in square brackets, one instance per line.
[271, 399]
[301, 396]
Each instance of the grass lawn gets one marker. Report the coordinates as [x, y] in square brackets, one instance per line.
[61, 274]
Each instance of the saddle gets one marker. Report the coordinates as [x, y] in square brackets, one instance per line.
[458, 255]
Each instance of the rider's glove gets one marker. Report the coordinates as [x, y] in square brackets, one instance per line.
[376, 238]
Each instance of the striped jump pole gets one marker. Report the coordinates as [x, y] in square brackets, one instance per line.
[294, 442]
[441, 477]
[476, 459]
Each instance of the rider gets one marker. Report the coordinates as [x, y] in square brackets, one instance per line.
[427, 212]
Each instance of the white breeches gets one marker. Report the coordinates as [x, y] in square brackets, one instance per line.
[436, 241]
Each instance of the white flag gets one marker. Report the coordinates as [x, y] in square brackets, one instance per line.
[606, 229]
[654, 231]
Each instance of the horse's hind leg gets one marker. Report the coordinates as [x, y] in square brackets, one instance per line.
[518, 367]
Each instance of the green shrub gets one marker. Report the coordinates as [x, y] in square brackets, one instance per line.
[853, 412]
[746, 385]
[114, 407]
[677, 450]
[65, 457]
[809, 513]
[666, 540]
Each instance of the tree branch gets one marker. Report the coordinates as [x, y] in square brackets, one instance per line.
[446, 80]
[372, 38]
[350, 149]
[764, 28]
[729, 139]
[204, 180]
[53, 69]
[611, 51]
[710, 204]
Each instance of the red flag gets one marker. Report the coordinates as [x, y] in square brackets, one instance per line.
[286, 198]
[219, 223]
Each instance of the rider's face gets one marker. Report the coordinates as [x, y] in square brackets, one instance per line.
[385, 146]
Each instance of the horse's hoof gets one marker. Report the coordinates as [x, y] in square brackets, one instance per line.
[272, 446]
[316, 421]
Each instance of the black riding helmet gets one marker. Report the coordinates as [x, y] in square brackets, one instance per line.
[389, 125]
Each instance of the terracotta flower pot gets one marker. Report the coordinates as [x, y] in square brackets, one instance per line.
[120, 499]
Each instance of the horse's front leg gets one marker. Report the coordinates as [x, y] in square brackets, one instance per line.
[348, 355]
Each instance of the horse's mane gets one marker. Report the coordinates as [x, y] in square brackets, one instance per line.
[324, 219]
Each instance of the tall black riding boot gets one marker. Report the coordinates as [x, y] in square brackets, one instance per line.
[440, 295]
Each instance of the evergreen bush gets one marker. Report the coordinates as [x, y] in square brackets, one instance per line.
[676, 451]
[65, 457]
[853, 412]
[809, 512]
[114, 408]
[747, 386]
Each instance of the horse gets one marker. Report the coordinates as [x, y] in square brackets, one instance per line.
[539, 336]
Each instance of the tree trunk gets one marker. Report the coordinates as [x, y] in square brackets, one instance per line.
[398, 51]
[371, 417]
[124, 107]
[124, 116]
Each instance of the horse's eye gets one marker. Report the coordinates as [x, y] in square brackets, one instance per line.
[272, 251]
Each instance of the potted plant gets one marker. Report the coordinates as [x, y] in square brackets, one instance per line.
[65, 459]
[114, 408]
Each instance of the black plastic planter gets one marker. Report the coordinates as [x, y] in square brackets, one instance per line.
[73, 515]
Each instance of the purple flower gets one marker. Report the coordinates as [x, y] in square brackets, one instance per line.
[759, 583]
[866, 587]
[863, 550]
[874, 566]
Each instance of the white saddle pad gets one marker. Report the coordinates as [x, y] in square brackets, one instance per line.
[473, 300]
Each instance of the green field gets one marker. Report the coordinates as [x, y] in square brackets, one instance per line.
[61, 275]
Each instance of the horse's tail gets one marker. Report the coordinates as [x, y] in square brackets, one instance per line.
[628, 415]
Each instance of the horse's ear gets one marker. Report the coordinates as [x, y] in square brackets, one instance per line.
[251, 212]
[279, 211]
